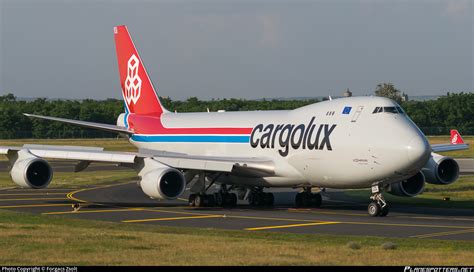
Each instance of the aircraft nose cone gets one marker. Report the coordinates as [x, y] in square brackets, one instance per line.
[418, 150]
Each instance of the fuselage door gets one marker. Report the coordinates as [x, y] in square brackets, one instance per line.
[357, 113]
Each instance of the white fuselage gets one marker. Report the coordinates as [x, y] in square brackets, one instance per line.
[355, 148]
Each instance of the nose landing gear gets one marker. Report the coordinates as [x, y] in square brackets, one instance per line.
[378, 206]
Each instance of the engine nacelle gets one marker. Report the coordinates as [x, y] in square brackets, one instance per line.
[441, 170]
[409, 187]
[31, 172]
[163, 183]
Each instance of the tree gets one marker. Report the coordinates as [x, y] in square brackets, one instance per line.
[389, 91]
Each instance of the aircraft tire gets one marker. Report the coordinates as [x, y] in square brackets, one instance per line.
[233, 199]
[316, 200]
[191, 201]
[269, 199]
[298, 200]
[374, 209]
[384, 211]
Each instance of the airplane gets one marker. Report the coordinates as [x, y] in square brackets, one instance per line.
[345, 143]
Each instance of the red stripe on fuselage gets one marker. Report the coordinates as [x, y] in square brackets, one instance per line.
[152, 125]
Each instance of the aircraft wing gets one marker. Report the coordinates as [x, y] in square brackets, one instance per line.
[457, 143]
[244, 166]
[448, 147]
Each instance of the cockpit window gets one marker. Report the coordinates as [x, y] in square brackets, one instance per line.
[389, 110]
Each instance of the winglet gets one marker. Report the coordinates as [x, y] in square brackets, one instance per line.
[456, 137]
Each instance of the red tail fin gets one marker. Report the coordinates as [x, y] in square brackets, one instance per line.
[456, 137]
[137, 89]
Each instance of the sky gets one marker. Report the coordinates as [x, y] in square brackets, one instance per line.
[238, 49]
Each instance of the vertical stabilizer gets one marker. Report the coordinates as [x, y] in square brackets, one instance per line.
[137, 89]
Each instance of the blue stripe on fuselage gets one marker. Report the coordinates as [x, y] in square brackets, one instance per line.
[125, 117]
[192, 138]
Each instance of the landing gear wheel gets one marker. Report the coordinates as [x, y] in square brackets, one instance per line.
[232, 200]
[306, 199]
[269, 199]
[384, 210]
[219, 199]
[260, 199]
[199, 201]
[316, 200]
[299, 200]
[191, 200]
[374, 209]
[210, 200]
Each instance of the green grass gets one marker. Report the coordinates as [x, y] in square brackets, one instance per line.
[461, 194]
[49, 240]
[81, 179]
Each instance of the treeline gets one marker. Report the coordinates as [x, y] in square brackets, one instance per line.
[434, 117]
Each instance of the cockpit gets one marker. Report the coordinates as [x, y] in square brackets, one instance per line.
[395, 110]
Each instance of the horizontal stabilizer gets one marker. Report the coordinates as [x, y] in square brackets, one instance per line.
[106, 127]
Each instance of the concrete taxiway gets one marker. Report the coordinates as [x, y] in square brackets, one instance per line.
[126, 203]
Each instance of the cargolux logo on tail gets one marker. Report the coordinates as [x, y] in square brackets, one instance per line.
[455, 137]
[133, 82]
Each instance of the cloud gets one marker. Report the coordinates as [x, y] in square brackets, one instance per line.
[456, 9]
[269, 24]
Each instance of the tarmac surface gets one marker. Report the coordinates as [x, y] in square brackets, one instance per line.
[339, 214]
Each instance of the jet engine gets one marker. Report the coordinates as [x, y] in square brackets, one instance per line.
[410, 187]
[163, 183]
[441, 170]
[31, 172]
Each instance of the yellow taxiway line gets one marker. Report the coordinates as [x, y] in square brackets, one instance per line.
[293, 225]
[406, 225]
[31, 199]
[173, 218]
[70, 195]
[437, 234]
[34, 206]
[95, 211]
[32, 194]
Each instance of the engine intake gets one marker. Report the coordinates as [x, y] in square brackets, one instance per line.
[409, 187]
[163, 183]
[441, 170]
[32, 172]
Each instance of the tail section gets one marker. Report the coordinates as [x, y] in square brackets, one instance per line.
[456, 137]
[137, 89]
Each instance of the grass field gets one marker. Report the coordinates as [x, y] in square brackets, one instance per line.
[39, 240]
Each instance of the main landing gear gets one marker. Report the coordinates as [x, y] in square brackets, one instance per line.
[308, 199]
[378, 206]
[221, 199]
[257, 197]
